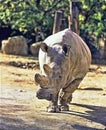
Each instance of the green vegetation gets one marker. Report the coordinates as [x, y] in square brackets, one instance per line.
[38, 15]
[93, 17]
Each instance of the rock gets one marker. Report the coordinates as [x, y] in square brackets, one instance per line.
[102, 48]
[34, 48]
[16, 45]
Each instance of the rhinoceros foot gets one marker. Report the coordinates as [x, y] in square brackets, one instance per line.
[53, 109]
[64, 108]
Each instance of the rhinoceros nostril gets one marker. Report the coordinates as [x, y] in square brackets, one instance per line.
[51, 96]
[39, 95]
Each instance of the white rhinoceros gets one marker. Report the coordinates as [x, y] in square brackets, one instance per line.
[64, 61]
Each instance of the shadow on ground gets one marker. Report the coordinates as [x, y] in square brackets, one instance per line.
[14, 118]
[95, 114]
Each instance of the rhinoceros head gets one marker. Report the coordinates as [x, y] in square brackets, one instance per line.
[55, 70]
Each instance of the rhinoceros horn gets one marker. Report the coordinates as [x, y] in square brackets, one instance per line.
[42, 80]
[47, 69]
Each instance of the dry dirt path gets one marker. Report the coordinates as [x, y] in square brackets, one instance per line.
[21, 110]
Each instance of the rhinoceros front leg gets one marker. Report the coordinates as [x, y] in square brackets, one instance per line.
[53, 106]
[65, 95]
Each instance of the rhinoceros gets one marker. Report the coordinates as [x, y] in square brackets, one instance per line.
[64, 60]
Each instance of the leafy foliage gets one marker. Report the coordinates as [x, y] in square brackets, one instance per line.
[93, 17]
[25, 15]
[37, 15]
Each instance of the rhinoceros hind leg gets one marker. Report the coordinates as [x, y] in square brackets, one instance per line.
[64, 101]
[64, 107]
[65, 94]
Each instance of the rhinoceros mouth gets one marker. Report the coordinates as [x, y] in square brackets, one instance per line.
[47, 98]
[41, 95]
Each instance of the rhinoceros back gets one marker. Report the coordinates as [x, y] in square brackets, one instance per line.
[80, 53]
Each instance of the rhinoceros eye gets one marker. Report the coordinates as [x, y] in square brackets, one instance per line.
[60, 77]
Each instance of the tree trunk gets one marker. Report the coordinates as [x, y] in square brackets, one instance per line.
[74, 17]
[57, 21]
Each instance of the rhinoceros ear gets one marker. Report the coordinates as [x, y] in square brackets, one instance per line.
[47, 69]
[66, 49]
[42, 80]
[44, 47]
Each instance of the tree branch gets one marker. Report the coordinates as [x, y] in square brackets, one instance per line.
[53, 6]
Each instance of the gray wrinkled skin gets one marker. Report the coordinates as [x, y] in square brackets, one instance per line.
[64, 60]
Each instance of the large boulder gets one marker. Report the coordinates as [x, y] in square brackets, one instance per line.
[16, 45]
[34, 49]
[102, 48]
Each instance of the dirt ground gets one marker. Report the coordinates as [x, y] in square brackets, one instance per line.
[21, 110]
